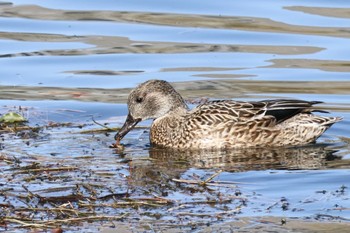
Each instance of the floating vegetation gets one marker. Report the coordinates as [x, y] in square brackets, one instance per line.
[12, 118]
[61, 192]
[46, 194]
[62, 176]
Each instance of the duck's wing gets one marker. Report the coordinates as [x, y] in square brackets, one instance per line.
[240, 111]
[283, 109]
[215, 112]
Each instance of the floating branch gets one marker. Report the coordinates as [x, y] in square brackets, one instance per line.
[107, 128]
[56, 222]
[216, 214]
[48, 169]
[211, 183]
[119, 204]
[211, 177]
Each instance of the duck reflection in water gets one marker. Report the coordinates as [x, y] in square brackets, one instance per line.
[167, 164]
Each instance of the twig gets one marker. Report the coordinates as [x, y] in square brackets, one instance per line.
[23, 223]
[52, 210]
[208, 202]
[124, 203]
[210, 214]
[90, 189]
[89, 218]
[106, 127]
[211, 177]
[52, 223]
[189, 204]
[30, 193]
[216, 183]
[47, 170]
[158, 200]
[114, 129]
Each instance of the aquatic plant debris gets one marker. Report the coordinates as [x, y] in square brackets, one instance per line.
[87, 197]
[12, 117]
[39, 191]
[63, 175]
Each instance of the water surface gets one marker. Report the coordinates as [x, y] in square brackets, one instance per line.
[68, 61]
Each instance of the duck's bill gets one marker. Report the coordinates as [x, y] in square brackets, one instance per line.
[129, 124]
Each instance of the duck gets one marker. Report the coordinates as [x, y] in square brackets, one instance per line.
[221, 124]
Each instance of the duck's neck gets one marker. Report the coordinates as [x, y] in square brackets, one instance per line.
[178, 104]
[178, 111]
[166, 130]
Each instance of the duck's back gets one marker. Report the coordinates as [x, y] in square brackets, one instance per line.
[226, 124]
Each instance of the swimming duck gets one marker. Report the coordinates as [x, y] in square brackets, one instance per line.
[221, 123]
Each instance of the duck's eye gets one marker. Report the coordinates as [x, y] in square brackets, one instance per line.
[139, 99]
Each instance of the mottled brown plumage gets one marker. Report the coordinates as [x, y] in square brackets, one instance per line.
[222, 124]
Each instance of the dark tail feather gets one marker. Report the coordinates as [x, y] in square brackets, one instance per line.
[321, 111]
[316, 102]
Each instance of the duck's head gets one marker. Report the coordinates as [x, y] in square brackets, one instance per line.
[150, 100]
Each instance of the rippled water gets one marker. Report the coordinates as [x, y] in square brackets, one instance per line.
[67, 60]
